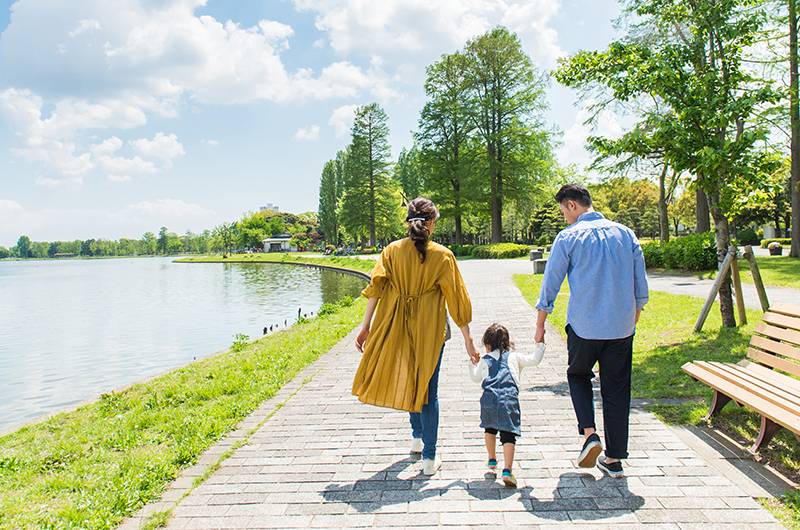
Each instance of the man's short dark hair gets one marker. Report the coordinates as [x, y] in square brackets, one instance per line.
[574, 192]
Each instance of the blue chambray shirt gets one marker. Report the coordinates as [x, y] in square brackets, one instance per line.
[604, 265]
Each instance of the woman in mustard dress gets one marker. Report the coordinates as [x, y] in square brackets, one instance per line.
[417, 282]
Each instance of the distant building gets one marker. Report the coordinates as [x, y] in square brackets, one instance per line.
[279, 243]
[270, 206]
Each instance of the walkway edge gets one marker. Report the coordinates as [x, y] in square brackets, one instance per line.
[192, 477]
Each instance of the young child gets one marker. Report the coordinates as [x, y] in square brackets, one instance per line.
[498, 372]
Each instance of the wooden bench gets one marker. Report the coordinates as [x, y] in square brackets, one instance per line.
[760, 381]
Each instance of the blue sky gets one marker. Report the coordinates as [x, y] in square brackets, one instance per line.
[118, 117]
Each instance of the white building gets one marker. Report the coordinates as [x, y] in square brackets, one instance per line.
[270, 206]
[279, 243]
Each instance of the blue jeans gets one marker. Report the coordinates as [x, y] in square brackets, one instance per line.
[425, 424]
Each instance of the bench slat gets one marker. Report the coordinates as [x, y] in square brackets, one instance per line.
[783, 321]
[785, 309]
[769, 390]
[773, 375]
[775, 348]
[741, 395]
[773, 361]
[779, 333]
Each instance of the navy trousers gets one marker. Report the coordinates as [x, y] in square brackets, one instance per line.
[614, 358]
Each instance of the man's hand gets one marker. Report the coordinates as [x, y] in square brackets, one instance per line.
[541, 316]
[539, 335]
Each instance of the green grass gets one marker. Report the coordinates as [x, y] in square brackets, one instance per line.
[776, 271]
[664, 342]
[94, 467]
[354, 263]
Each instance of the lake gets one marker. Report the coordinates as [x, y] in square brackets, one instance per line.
[73, 329]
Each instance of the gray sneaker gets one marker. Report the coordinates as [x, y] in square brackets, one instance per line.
[591, 450]
[612, 469]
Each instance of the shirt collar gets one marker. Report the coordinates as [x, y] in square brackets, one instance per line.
[590, 216]
[495, 354]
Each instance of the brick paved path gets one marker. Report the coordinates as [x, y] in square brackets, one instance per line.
[324, 460]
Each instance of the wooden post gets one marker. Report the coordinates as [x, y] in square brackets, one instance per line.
[737, 288]
[726, 264]
[762, 293]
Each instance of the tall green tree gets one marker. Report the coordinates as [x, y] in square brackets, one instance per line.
[709, 100]
[508, 102]
[366, 173]
[23, 246]
[407, 172]
[445, 127]
[330, 194]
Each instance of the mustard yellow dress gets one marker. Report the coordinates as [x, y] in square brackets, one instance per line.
[408, 330]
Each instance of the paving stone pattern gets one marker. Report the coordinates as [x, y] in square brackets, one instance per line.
[324, 460]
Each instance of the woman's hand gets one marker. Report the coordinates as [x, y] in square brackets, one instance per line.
[472, 351]
[361, 339]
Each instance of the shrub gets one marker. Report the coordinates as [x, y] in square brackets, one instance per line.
[461, 250]
[543, 240]
[785, 241]
[696, 252]
[748, 236]
[652, 254]
[500, 251]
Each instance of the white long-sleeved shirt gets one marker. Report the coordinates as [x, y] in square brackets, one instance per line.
[516, 362]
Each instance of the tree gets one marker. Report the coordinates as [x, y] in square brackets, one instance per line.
[507, 103]
[445, 126]
[330, 193]
[682, 211]
[161, 243]
[694, 68]
[366, 178]
[407, 172]
[225, 234]
[148, 242]
[23, 247]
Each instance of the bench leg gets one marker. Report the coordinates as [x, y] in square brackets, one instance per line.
[719, 401]
[768, 429]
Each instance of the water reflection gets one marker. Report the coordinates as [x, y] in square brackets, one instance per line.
[72, 329]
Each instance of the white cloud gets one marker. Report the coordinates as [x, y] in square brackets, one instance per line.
[396, 28]
[342, 119]
[161, 147]
[131, 221]
[307, 133]
[84, 26]
[119, 178]
[573, 150]
[212, 143]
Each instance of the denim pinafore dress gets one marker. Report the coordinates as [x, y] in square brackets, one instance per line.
[500, 399]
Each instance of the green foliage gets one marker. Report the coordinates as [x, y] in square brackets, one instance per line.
[748, 236]
[696, 252]
[239, 342]
[785, 241]
[330, 194]
[462, 250]
[500, 251]
[96, 466]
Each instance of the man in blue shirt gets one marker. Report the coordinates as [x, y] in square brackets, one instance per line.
[604, 266]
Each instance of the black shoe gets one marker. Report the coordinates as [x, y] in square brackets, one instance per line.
[612, 469]
[591, 450]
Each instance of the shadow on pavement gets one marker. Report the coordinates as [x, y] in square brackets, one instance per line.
[581, 494]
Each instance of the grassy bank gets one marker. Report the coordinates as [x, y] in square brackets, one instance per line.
[96, 466]
[776, 271]
[664, 341]
[352, 263]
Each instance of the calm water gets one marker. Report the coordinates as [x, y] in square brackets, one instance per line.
[72, 329]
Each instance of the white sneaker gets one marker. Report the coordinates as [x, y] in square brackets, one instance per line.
[431, 466]
[416, 445]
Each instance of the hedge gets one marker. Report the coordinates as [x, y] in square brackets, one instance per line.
[500, 251]
[784, 241]
[696, 252]
[462, 250]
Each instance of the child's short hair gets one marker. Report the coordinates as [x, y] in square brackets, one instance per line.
[496, 337]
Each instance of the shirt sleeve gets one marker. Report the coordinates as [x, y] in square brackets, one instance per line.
[531, 359]
[379, 277]
[554, 273]
[455, 293]
[477, 372]
[640, 288]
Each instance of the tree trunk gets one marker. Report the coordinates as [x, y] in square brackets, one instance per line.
[663, 220]
[795, 125]
[703, 222]
[723, 242]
